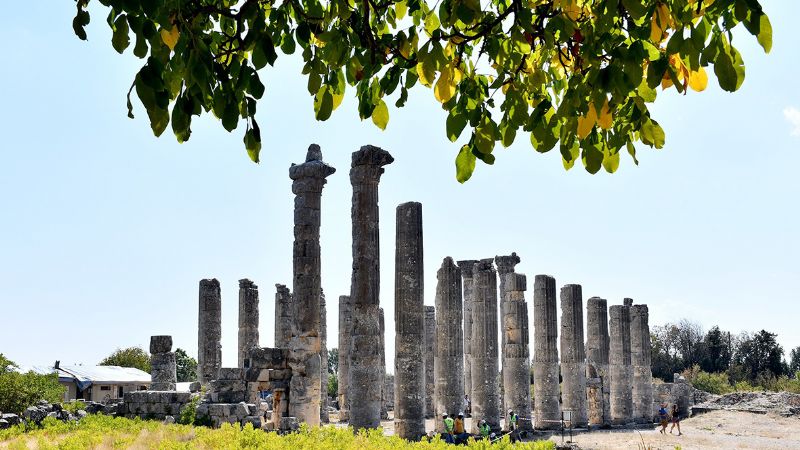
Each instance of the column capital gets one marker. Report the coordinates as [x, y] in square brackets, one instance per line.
[467, 267]
[313, 168]
[505, 264]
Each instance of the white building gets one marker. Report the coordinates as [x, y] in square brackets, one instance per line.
[96, 383]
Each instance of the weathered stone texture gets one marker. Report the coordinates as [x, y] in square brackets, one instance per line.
[545, 358]
[163, 369]
[597, 348]
[382, 378]
[516, 351]
[248, 318]
[620, 365]
[308, 179]
[467, 267]
[449, 364]
[284, 316]
[485, 373]
[573, 355]
[345, 331]
[429, 359]
[641, 361]
[209, 331]
[323, 358]
[505, 265]
[409, 319]
[365, 368]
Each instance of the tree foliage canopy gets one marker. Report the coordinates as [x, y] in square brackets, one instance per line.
[577, 74]
[128, 357]
[186, 366]
[20, 390]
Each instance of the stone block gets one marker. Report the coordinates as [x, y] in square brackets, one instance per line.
[242, 409]
[160, 344]
[230, 373]
[216, 410]
[253, 420]
[195, 387]
[289, 424]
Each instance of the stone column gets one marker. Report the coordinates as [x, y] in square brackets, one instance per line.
[619, 357]
[284, 316]
[365, 368]
[308, 179]
[640, 359]
[209, 331]
[345, 330]
[485, 373]
[382, 378]
[505, 265]
[467, 267]
[573, 355]
[323, 359]
[449, 366]
[545, 358]
[516, 353]
[248, 318]
[429, 358]
[597, 348]
[163, 369]
[409, 320]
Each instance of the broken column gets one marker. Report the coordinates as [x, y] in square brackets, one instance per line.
[573, 355]
[485, 396]
[345, 329]
[248, 318]
[516, 353]
[323, 359]
[382, 378]
[409, 320]
[449, 366]
[641, 362]
[163, 369]
[505, 265]
[284, 316]
[619, 358]
[308, 179]
[209, 331]
[467, 267]
[545, 358]
[429, 358]
[365, 368]
[597, 348]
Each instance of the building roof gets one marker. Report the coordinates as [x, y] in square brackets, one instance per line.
[85, 376]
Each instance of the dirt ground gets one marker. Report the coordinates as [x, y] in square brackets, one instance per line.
[713, 430]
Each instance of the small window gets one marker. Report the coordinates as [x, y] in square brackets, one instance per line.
[105, 388]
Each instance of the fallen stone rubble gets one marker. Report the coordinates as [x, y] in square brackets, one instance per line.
[780, 403]
[37, 413]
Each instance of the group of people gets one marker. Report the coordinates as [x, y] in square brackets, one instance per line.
[455, 430]
[666, 417]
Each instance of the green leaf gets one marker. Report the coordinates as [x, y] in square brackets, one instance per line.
[634, 7]
[765, 33]
[252, 142]
[323, 103]
[79, 22]
[431, 22]
[592, 158]
[611, 161]
[120, 39]
[230, 115]
[465, 164]
[507, 134]
[264, 52]
[632, 152]
[455, 124]
[729, 69]
[569, 154]
[485, 135]
[288, 45]
[652, 134]
[380, 115]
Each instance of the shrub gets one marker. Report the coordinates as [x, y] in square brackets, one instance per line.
[20, 390]
[715, 383]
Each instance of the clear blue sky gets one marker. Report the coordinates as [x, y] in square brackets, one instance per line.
[106, 230]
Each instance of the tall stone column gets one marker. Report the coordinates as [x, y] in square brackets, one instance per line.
[505, 265]
[429, 358]
[284, 316]
[209, 331]
[516, 353]
[345, 331]
[248, 318]
[597, 348]
[323, 359]
[573, 355]
[620, 365]
[382, 378]
[365, 368]
[467, 266]
[485, 373]
[409, 320]
[545, 358]
[163, 367]
[308, 179]
[641, 361]
[449, 365]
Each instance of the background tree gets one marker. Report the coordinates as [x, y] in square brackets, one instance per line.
[760, 355]
[717, 351]
[333, 360]
[574, 73]
[20, 390]
[186, 366]
[333, 385]
[128, 357]
[794, 361]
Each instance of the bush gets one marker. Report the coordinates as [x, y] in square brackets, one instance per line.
[20, 390]
[715, 383]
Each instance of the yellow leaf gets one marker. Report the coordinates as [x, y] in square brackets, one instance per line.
[666, 82]
[170, 37]
[586, 123]
[426, 71]
[698, 80]
[605, 119]
[405, 48]
[662, 20]
[445, 88]
[380, 115]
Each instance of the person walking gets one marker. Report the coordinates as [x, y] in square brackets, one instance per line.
[676, 420]
[662, 417]
[467, 406]
[459, 430]
[449, 425]
[512, 425]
